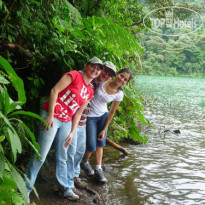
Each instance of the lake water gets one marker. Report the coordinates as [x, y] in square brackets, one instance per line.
[170, 168]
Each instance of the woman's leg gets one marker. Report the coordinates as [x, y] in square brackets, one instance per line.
[100, 125]
[91, 134]
[99, 149]
[45, 140]
[91, 139]
[98, 155]
[70, 162]
[86, 156]
[61, 157]
[80, 149]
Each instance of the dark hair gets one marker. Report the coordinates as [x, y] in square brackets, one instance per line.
[125, 70]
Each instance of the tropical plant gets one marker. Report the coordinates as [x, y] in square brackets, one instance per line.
[130, 117]
[54, 37]
[183, 55]
[12, 130]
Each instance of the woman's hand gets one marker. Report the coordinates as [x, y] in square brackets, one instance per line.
[101, 135]
[49, 119]
[68, 140]
[61, 85]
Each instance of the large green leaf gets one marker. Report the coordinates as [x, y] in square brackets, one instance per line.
[1, 148]
[29, 114]
[6, 102]
[15, 80]
[33, 144]
[1, 98]
[2, 164]
[11, 136]
[14, 105]
[34, 189]
[19, 181]
[3, 80]
[27, 129]
[2, 137]
[14, 140]
[34, 147]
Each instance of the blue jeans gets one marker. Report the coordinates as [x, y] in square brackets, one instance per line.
[60, 131]
[76, 151]
[94, 126]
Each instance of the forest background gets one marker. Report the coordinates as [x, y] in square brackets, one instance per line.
[40, 40]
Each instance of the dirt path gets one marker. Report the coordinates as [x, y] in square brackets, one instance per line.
[46, 188]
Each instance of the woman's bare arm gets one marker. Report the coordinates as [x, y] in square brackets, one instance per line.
[75, 121]
[111, 114]
[60, 85]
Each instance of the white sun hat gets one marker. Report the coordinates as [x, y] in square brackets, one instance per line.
[110, 65]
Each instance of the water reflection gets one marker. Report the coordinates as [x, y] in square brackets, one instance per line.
[170, 168]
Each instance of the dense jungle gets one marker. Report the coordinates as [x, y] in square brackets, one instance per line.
[41, 40]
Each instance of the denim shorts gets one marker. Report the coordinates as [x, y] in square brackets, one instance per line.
[94, 126]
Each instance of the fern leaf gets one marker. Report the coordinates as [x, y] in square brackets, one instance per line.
[10, 196]
[7, 183]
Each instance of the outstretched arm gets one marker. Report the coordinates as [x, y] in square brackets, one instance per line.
[75, 121]
[61, 85]
[111, 114]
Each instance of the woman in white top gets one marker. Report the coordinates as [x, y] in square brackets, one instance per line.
[99, 120]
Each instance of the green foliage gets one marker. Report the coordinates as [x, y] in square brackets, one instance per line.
[130, 116]
[40, 41]
[126, 13]
[182, 56]
[8, 191]
[52, 37]
[16, 81]
[12, 130]
[108, 39]
[172, 56]
[43, 39]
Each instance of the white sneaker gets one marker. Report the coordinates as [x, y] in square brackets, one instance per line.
[72, 197]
